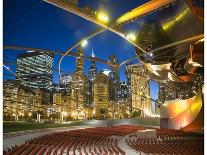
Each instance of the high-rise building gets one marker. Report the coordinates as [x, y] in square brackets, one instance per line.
[20, 100]
[56, 96]
[140, 90]
[127, 74]
[66, 79]
[122, 92]
[101, 95]
[36, 69]
[79, 83]
[62, 100]
[92, 76]
[114, 71]
[114, 76]
[10, 97]
[66, 83]
[93, 69]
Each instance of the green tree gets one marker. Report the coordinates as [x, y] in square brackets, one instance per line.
[136, 113]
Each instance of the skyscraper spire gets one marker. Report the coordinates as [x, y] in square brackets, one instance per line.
[93, 54]
[92, 69]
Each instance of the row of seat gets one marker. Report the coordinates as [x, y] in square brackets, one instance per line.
[169, 142]
[104, 141]
[97, 141]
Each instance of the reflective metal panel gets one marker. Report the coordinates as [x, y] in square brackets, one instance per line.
[180, 22]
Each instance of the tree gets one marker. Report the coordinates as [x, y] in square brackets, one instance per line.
[136, 113]
[102, 112]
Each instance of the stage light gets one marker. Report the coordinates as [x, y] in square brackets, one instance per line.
[102, 17]
[131, 36]
[84, 43]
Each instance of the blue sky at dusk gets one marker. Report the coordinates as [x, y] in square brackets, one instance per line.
[34, 23]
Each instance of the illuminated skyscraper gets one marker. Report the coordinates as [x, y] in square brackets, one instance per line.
[114, 76]
[66, 79]
[66, 82]
[101, 95]
[93, 69]
[36, 69]
[122, 92]
[140, 89]
[127, 74]
[79, 83]
[10, 97]
[92, 76]
[114, 71]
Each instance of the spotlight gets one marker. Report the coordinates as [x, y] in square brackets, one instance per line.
[84, 43]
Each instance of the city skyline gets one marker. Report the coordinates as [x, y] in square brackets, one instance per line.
[18, 24]
[100, 77]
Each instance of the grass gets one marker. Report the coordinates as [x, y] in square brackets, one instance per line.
[23, 126]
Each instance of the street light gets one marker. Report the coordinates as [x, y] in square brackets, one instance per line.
[29, 114]
[84, 43]
[94, 112]
[64, 113]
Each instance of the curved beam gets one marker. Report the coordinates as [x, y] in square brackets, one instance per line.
[58, 52]
[75, 10]
[144, 9]
[135, 13]
[77, 44]
[188, 40]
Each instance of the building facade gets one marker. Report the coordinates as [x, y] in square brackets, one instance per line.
[114, 76]
[140, 90]
[92, 76]
[21, 101]
[10, 98]
[36, 69]
[66, 79]
[122, 92]
[101, 95]
[62, 101]
[79, 85]
[93, 69]
[127, 74]
[66, 83]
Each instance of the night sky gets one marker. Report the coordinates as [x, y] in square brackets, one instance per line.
[34, 23]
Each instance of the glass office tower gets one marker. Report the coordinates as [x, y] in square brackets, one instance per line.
[36, 69]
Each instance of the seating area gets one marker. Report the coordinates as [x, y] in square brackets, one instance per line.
[168, 142]
[105, 141]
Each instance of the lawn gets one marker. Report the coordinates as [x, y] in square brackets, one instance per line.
[22, 126]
